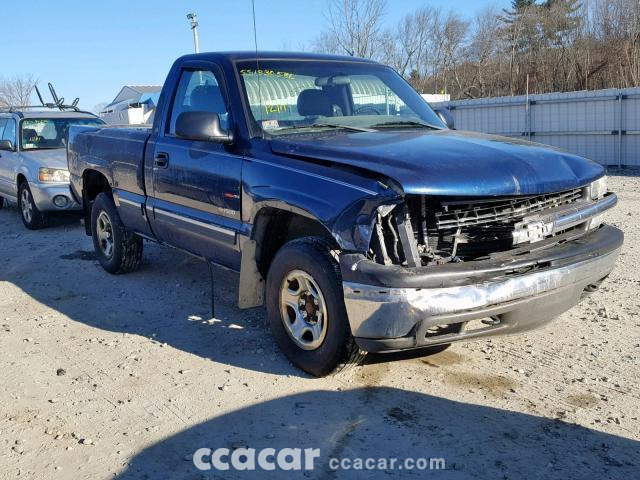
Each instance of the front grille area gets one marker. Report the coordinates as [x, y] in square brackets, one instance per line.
[461, 213]
[456, 229]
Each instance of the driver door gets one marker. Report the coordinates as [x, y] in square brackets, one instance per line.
[196, 184]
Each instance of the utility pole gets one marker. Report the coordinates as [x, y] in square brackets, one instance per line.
[193, 18]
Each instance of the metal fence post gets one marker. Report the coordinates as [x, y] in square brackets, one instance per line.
[529, 117]
[619, 128]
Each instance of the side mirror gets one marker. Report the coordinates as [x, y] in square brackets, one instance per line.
[445, 115]
[204, 126]
[6, 145]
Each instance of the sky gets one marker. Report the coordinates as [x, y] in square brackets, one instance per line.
[90, 49]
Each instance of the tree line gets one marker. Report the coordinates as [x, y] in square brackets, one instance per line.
[16, 91]
[535, 46]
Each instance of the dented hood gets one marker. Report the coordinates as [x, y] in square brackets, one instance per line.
[448, 162]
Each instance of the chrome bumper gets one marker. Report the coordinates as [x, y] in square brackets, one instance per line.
[44, 195]
[383, 318]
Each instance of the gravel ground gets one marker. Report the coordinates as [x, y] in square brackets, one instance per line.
[127, 376]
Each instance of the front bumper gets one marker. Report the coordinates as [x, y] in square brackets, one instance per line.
[45, 194]
[395, 308]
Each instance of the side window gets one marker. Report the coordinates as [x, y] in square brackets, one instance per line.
[198, 91]
[3, 122]
[9, 131]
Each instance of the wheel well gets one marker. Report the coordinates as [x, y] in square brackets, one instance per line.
[21, 178]
[273, 228]
[93, 183]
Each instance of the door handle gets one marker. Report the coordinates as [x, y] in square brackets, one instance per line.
[161, 160]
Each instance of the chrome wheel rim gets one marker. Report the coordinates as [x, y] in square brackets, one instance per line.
[27, 206]
[303, 310]
[104, 232]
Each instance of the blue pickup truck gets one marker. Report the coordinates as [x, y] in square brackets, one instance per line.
[350, 208]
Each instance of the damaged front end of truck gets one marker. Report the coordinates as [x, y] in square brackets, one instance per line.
[441, 269]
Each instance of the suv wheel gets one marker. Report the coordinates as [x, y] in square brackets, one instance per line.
[118, 250]
[305, 307]
[32, 218]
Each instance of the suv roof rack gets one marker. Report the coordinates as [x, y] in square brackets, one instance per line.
[58, 103]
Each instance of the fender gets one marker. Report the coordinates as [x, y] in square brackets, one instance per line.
[26, 173]
[80, 158]
[342, 202]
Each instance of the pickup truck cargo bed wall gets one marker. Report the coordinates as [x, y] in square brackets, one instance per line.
[123, 168]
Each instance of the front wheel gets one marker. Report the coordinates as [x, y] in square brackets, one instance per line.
[32, 218]
[118, 250]
[305, 307]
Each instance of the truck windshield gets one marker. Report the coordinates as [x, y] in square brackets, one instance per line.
[47, 133]
[295, 96]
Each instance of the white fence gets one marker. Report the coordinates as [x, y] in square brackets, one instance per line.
[603, 125]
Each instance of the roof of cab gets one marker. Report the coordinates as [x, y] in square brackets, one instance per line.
[46, 113]
[272, 55]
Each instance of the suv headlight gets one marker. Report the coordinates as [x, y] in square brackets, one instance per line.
[53, 175]
[598, 188]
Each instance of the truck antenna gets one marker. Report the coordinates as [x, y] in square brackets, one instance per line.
[255, 41]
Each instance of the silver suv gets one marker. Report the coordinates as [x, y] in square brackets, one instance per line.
[33, 161]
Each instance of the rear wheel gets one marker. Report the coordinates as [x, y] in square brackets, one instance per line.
[306, 310]
[117, 249]
[32, 218]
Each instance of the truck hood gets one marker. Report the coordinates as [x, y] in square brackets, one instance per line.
[448, 162]
[53, 158]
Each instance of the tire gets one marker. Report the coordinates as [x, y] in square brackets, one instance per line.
[118, 250]
[305, 266]
[32, 218]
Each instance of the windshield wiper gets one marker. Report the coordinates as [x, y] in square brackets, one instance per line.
[43, 148]
[327, 125]
[346, 127]
[406, 123]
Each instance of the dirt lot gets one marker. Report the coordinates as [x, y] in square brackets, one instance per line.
[126, 377]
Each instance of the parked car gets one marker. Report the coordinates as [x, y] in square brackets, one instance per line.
[347, 206]
[33, 161]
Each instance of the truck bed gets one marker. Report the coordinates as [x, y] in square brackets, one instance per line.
[117, 152]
